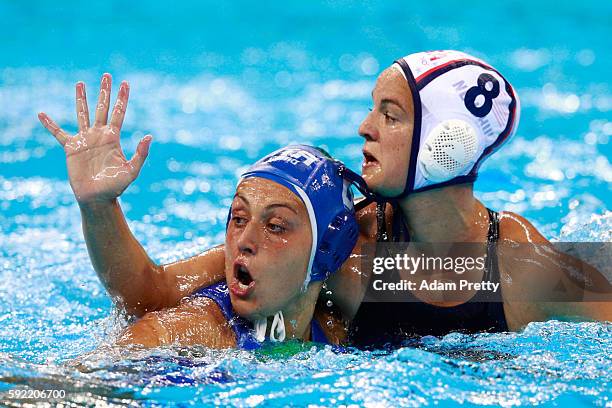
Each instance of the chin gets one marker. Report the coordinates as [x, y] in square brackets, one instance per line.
[244, 308]
[372, 178]
[377, 185]
[250, 310]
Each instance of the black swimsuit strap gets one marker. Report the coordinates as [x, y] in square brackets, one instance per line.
[493, 234]
[399, 228]
[491, 273]
[495, 309]
[381, 225]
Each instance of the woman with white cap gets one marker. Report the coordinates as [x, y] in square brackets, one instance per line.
[436, 117]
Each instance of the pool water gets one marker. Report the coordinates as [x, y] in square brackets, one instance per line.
[220, 85]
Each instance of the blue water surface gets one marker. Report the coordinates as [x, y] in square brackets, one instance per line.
[220, 84]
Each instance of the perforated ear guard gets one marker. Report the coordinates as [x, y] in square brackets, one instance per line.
[449, 150]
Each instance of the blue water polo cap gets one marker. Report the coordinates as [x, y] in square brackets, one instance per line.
[324, 186]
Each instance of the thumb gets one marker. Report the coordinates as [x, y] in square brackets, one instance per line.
[142, 151]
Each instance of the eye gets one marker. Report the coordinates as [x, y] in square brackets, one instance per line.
[276, 228]
[389, 118]
[239, 221]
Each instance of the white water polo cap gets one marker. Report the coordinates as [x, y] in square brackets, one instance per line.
[464, 110]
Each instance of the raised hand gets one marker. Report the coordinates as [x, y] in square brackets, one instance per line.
[97, 168]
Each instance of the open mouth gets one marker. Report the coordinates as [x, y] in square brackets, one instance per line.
[368, 159]
[243, 276]
[243, 282]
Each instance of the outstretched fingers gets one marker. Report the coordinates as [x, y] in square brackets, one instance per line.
[60, 135]
[81, 107]
[103, 101]
[120, 106]
[142, 151]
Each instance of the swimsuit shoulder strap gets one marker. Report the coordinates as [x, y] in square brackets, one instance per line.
[493, 234]
[492, 270]
[495, 309]
[363, 203]
[242, 328]
[399, 229]
[220, 294]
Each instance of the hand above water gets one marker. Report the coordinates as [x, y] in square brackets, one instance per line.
[97, 167]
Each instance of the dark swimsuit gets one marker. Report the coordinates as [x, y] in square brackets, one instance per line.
[378, 324]
[242, 328]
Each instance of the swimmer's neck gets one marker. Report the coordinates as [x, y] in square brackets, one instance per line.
[447, 214]
[299, 312]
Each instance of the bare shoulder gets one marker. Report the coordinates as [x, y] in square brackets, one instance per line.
[540, 282]
[202, 308]
[199, 320]
[515, 228]
[519, 269]
[520, 258]
[195, 321]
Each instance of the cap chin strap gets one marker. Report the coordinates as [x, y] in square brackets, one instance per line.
[359, 183]
[277, 330]
[470, 178]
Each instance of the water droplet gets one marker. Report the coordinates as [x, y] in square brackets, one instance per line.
[330, 303]
[330, 323]
[328, 293]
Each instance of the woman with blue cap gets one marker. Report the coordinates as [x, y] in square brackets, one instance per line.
[291, 224]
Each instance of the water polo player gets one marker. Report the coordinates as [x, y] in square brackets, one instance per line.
[290, 225]
[436, 117]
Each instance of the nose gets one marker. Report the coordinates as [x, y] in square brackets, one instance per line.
[367, 129]
[248, 238]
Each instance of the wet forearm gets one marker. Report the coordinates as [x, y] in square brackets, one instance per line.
[118, 258]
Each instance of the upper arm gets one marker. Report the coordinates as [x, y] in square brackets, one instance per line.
[167, 284]
[540, 282]
[195, 321]
[185, 276]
